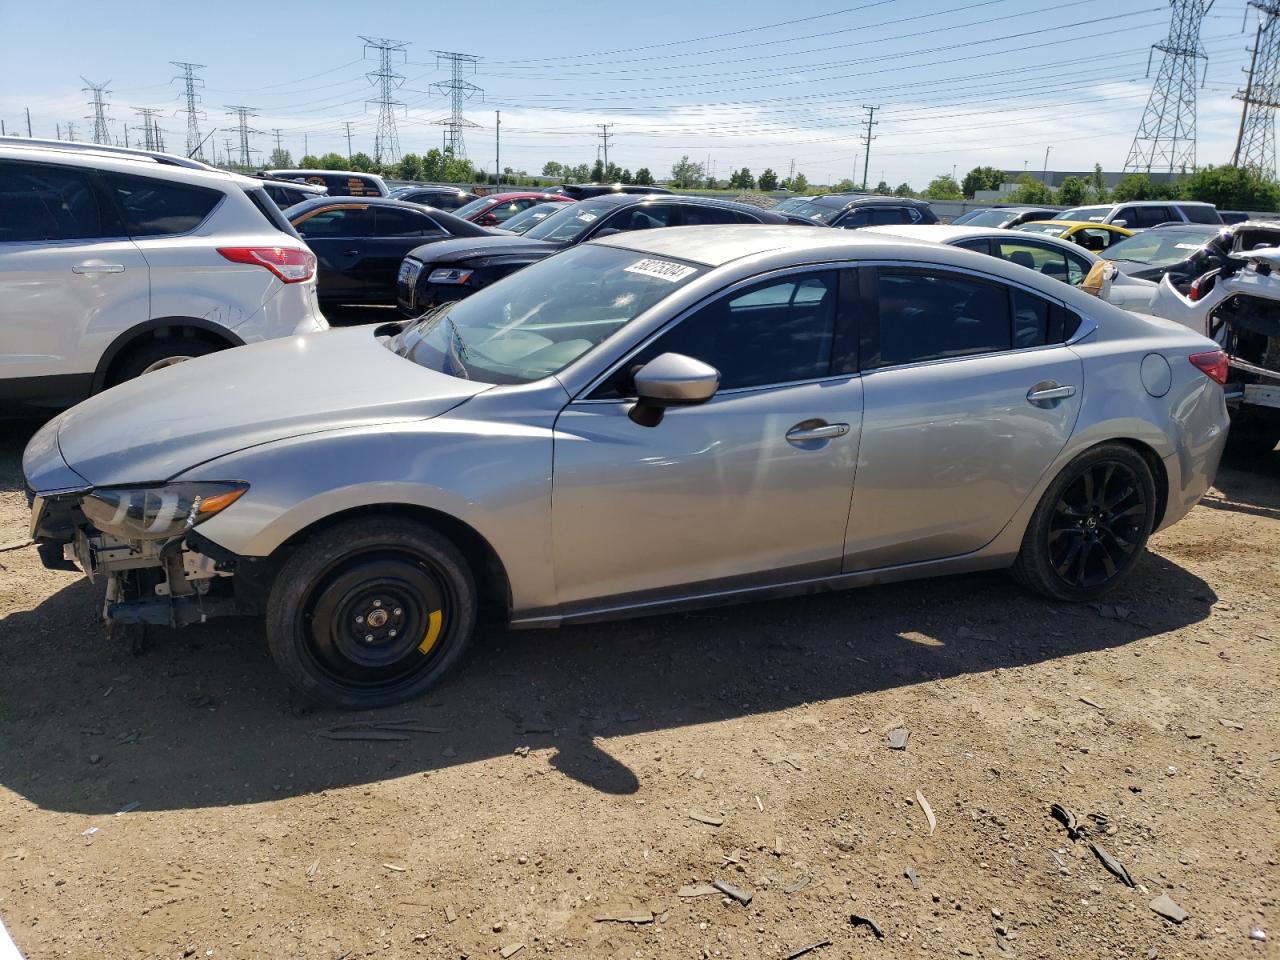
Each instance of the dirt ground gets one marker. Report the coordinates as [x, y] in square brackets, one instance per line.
[181, 803]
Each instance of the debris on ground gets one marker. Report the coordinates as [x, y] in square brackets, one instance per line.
[510, 950]
[1111, 611]
[797, 886]
[898, 738]
[128, 808]
[450, 914]
[729, 890]
[697, 890]
[1067, 819]
[311, 870]
[928, 812]
[1232, 724]
[1257, 933]
[910, 874]
[1165, 906]
[1116, 868]
[638, 916]
[1090, 703]
[395, 868]
[706, 818]
[808, 948]
[858, 921]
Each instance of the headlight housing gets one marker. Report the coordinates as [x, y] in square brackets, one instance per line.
[453, 275]
[157, 513]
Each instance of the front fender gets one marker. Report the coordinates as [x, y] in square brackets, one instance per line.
[493, 476]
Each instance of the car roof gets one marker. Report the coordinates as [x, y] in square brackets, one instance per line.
[341, 201]
[1070, 224]
[303, 171]
[122, 160]
[946, 233]
[519, 195]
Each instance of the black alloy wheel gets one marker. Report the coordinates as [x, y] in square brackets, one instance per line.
[1098, 525]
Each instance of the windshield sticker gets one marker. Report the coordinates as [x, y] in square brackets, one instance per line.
[661, 269]
[586, 217]
[1187, 246]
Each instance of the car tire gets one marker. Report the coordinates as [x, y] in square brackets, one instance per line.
[155, 354]
[1091, 525]
[371, 612]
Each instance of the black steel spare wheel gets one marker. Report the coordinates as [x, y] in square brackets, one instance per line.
[371, 612]
[1098, 525]
[1090, 526]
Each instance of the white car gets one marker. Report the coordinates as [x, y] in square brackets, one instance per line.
[1141, 214]
[114, 263]
[1047, 255]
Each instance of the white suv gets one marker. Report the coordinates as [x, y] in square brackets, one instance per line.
[1141, 214]
[114, 263]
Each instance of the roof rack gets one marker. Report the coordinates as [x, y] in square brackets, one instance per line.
[80, 146]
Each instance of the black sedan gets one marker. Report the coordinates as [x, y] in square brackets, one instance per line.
[360, 242]
[849, 211]
[457, 268]
[1004, 217]
[448, 199]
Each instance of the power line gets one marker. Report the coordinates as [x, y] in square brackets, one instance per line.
[99, 105]
[386, 142]
[460, 91]
[194, 114]
[242, 115]
[1256, 139]
[1166, 137]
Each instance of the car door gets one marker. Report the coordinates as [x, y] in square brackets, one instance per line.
[396, 231]
[338, 235]
[969, 395]
[71, 279]
[751, 486]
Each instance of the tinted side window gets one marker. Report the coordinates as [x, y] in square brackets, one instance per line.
[158, 208]
[980, 245]
[881, 216]
[775, 332]
[1129, 215]
[446, 201]
[1150, 216]
[1038, 323]
[929, 316]
[39, 202]
[644, 217]
[1198, 214]
[859, 217]
[394, 222]
[698, 216]
[338, 222]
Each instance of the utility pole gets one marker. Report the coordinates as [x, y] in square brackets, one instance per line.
[306, 148]
[460, 91]
[497, 146]
[871, 121]
[99, 92]
[386, 142]
[227, 154]
[28, 123]
[1166, 137]
[194, 114]
[348, 141]
[1256, 138]
[605, 137]
[1044, 175]
[242, 115]
[279, 145]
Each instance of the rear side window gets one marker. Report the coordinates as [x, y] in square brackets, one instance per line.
[268, 208]
[931, 316]
[354, 221]
[445, 201]
[39, 202]
[1150, 216]
[1198, 214]
[700, 216]
[160, 208]
[394, 222]
[350, 186]
[885, 216]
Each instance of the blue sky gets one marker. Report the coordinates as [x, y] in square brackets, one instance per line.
[961, 82]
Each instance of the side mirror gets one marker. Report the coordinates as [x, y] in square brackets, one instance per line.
[606, 232]
[488, 220]
[1119, 223]
[671, 380]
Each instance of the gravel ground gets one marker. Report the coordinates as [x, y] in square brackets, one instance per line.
[561, 791]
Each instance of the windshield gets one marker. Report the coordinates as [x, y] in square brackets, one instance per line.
[527, 219]
[475, 206]
[789, 205]
[566, 226]
[1046, 227]
[1084, 214]
[536, 322]
[985, 218]
[820, 209]
[1159, 248]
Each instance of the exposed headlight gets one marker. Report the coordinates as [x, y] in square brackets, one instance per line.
[157, 513]
[450, 275]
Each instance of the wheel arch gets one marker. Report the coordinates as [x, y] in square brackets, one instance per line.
[492, 582]
[158, 328]
[1159, 473]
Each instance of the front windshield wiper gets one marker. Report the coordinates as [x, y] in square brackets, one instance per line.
[457, 349]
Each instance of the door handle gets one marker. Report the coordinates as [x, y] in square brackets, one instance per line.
[1049, 392]
[826, 431]
[350, 253]
[98, 268]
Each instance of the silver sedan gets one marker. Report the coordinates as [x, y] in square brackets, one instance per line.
[656, 420]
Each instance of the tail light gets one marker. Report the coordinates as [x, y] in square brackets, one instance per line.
[1213, 364]
[1197, 285]
[290, 264]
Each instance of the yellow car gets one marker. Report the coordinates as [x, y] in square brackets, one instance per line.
[1092, 236]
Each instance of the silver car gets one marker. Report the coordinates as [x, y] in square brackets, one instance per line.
[659, 419]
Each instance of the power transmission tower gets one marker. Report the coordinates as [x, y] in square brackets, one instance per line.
[279, 151]
[242, 115]
[605, 137]
[1166, 137]
[386, 142]
[148, 126]
[871, 121]
[99, 91]
[226, 143]
[460, 91]
[194, 114]
[1256, 139]
[71, 130]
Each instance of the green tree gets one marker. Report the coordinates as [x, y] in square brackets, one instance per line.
[409, 167]
[903, 190]
[361, 161]
[333, 161]
[768, 179]
[799, 184]
[981, 178]
[844, 186]
[943, 187]
[280, 159]
[685, 173]
[883, 189]
[643, 177]
[309, 162]
[1138, 186]
[597, 171]
[626, 176]
[579, 174]
[1031, 191]
[742, 180]
[1098, 185]
[552, 169]
[1231, 188]
[1072, 192]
